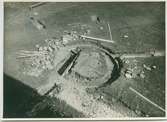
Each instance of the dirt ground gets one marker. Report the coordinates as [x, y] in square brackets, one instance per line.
[135, 27]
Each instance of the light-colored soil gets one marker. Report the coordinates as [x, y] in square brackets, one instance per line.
[91, 105]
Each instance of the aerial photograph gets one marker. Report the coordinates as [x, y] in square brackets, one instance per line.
[101, 60]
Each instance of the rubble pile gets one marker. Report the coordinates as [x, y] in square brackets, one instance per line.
[35, 65]
[133, 70]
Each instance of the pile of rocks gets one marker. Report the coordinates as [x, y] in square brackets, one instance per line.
[34, 65]
[137, 71]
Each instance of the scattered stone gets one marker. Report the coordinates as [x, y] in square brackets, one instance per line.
[126, 61]
[126, 36]
[85, 33]
[75, 36]
[128, 74]
[135, 61]
[51, 94]
[43, 67]
[37, 46]
[45, 48]
[50, 49]
[138, 112]
[67, 38]
[85, 104]
[146, 67]
[46, 40]
[34, 66]
[101, 28]
[129, 70]
[101, 97]
[154, 67]
[36, 13]
[88, 31]
[142, 75]
[40, 48]
[135, 67]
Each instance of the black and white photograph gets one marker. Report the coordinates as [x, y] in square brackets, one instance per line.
[89, 60]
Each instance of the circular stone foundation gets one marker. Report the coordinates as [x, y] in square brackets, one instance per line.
[93, 67]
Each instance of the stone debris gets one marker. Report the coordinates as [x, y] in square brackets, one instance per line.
[70, 36]
[37, 46]
[138, 112]
[126, 61]
[36, 13]
[142, 75]
[134, 60]
[88, 31]
[101, 28]
[147, 67]
[74, 34]
[77, 30]
[66, 38]
[45, 48]
[54, 44]
[128, 74]
[50, 49]
[134, 70]
[40, 49]
[34, 66]
[126, 36]
[154, 67]
[35, 62]
[135, 67]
